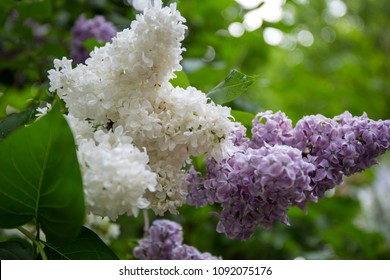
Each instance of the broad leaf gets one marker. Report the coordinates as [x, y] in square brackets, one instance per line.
[40, 179]
[232, 87]
[16, 249]
[87, 246]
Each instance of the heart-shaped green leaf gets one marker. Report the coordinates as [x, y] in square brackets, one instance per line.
[235, 84]
[87, 246]
[40, 179]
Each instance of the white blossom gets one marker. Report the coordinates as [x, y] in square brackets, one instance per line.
[115, 177]
[121, 102]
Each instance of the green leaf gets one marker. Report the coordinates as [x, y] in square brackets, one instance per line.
[15, 121]
[87, 246]
[232, 87]
[91, 43]
[181, 80]
[244, 118]
[16, 249]
[40, 179]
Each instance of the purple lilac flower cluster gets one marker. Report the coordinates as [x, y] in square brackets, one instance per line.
[282, 166]
[165, 242]
[340, 146]
[84, 29]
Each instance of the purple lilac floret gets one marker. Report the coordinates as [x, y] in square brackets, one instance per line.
[165, 242]
[84, 29]
[282, 166]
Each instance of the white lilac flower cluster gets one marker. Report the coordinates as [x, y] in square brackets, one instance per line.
[165, 242]
[282, 166]
[134, 130]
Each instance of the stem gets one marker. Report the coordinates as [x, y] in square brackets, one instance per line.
[146, 221]
[37, 243]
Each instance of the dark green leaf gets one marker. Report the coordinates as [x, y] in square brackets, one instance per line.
[40, 179]
[16, 249]
[232, 87]
[181, 80]
[15, 121]
[87, 246]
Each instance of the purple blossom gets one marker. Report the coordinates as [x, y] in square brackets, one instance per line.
[282, 166]
[256, 187]
[163, 237]
[84, 29]
[340, 146]
[164, 242]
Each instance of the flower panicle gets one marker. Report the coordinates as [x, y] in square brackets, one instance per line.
[284, 166]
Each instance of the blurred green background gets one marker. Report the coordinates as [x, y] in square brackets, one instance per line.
[322, 56]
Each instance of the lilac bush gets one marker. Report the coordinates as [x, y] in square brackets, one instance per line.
[282, 166]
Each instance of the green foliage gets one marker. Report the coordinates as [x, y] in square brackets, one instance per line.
[245, 119]
[16, 120]
[16, 249]
[38, 9]
[346, 68]
[40, 179]
[92, 43]
[87, 246]
[181, 80]
[232, 87]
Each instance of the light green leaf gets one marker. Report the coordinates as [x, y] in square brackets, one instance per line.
[40, 179]
[87, 246]
[232, 87]
[244, 118]
[181, 80]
